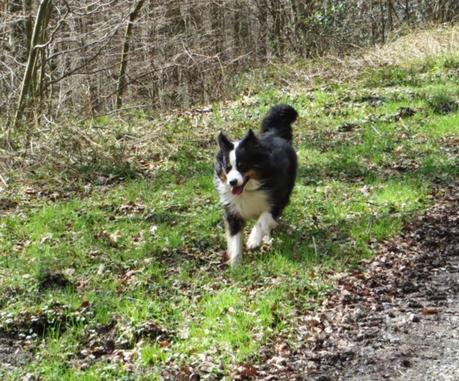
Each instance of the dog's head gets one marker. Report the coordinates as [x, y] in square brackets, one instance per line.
[240, 161]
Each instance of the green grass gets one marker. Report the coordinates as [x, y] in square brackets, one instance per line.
[146, 252]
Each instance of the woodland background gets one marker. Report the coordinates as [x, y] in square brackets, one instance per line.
[92, 57]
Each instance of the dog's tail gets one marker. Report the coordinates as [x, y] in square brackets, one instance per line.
[279, 121]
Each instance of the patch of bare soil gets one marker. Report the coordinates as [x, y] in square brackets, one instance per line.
[12, 355]
[396, 318]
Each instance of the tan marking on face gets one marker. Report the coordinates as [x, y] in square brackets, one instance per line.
[252, 174]
[222, 176]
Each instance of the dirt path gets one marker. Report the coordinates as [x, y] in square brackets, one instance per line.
[435, 342]
[395, 319]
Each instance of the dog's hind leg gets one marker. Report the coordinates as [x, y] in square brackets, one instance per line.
[261, 230]
[233, 227]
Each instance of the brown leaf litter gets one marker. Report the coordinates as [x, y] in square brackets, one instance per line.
[396, 317]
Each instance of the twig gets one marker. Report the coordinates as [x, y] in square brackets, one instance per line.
[375, 129]
[85, 137]
[2, 179]
[315, 246]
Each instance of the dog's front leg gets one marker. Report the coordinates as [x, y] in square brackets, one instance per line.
[233, 227]
[262, 229]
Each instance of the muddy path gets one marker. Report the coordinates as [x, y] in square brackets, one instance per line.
[396, 318]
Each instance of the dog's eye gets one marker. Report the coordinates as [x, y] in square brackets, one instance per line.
[228, 168]
[241, 167]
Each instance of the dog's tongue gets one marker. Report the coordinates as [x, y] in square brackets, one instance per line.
[237, 190]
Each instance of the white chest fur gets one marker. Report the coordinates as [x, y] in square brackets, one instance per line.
[249, 204]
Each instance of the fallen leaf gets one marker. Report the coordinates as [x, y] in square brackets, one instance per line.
[153, 229]
[430, 311]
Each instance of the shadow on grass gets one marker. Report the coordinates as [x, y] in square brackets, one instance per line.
[350, 160]
[348, 240]
[351, 171]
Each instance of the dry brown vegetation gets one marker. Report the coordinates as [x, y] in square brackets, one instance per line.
[136, 137]
[86, 58]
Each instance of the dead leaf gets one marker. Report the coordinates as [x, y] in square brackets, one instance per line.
[245, 372]
[111, 238]
[430, 311]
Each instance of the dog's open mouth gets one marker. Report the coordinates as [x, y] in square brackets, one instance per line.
[237, 190]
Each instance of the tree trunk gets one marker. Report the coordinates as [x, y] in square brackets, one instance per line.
[27, 6]
[16, 32]
[383, 22]
[389, 15]
[373, 24]
[262, 8]
[407, 11]
[124, 55]
[27, 80]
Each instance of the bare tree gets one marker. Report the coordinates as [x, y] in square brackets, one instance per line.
[124, 55]
[87, 57]
[30, 71]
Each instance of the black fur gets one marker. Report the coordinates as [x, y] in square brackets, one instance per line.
[235, 223]
[224, 143]
[272, 156]
[279, 121]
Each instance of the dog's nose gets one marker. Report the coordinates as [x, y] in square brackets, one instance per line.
[233, 182]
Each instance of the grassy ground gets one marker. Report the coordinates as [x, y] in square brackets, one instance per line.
[111, 269]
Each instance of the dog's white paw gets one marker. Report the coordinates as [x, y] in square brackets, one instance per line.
[268, 240]
[255, 238]
[235, 260]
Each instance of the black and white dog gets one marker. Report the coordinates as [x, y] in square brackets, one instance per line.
[255, 177]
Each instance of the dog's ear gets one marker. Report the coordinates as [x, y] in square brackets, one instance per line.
[250, 138]
[224, 143]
